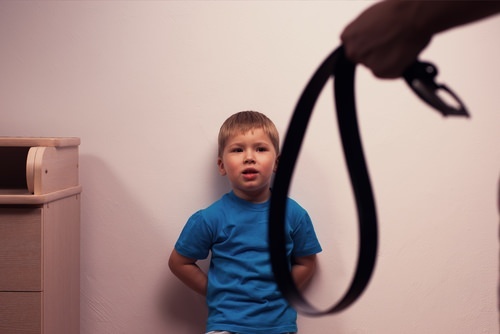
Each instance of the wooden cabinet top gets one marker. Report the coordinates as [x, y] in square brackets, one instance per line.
[36, 170]
[39, 141]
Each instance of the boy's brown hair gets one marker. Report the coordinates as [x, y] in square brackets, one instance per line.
[243, 122]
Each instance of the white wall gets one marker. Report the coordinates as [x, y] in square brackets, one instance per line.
[146, 85]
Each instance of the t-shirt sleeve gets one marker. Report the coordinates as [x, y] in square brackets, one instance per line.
[304, 237]
[195, 239]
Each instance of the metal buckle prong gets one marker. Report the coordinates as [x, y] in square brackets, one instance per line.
[420, 77]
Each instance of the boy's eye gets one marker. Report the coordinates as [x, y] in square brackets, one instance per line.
[261, 149]
[236, 149]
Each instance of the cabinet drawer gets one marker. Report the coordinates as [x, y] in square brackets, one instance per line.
[20, 312]
[20, 249]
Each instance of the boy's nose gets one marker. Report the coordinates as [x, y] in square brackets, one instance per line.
[249, 157]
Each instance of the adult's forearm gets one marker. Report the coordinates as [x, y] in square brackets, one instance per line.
[389, 35]
[437, 16]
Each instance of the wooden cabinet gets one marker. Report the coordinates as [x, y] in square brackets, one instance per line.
[39, 236]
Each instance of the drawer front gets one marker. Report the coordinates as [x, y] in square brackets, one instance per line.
[20, 312]
[20, 249]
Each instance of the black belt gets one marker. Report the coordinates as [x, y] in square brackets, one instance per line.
[420, 77]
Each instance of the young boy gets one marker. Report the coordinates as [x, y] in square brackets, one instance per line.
[240, 290]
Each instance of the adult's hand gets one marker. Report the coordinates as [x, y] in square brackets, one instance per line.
[385, 38]
[388, 36]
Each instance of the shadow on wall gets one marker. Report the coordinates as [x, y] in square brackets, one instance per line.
[185, 306]
[176, 300]
[126, 286]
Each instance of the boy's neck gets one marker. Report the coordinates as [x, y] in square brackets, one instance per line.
[257, 197]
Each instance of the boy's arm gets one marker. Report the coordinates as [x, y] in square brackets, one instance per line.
[303, 269]
[188, 272]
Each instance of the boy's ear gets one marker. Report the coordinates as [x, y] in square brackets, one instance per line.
[276, 164]
[220, 164]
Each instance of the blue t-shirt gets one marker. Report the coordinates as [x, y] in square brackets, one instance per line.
[242, 295]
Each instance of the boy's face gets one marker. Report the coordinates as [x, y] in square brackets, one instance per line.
[249, 161]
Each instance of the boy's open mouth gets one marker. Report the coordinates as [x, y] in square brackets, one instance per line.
[250, 171]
